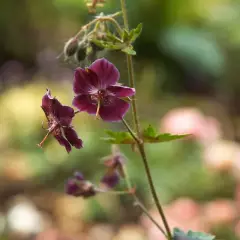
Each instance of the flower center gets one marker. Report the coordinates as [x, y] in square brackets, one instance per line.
[99, 97]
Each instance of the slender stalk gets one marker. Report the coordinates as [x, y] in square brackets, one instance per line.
[99, 19]
[153, 190]
[132, 84]
[149, 177]
[137, 137]
[138, 202]
[131, 76]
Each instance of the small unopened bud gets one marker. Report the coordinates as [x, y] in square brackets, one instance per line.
[115, 171]
[111, 179]
[70, 47]
[81, 53]
[77, 186]
[95, 47]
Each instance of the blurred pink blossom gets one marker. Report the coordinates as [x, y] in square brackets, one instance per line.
[188, 120]
[221, 155]
[219, 212]
[183, 213]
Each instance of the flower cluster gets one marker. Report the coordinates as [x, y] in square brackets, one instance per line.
[114, 164]
[78, 186]
[96, 92]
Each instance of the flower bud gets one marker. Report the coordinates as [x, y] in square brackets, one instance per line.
[111, 179]
[95, 47]
[114, 164]
[77, 186]
[71, 47]
[81, 53]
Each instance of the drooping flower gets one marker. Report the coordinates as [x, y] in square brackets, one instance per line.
[79, 187]
[114, 164]
[97, 91]
[59, 119]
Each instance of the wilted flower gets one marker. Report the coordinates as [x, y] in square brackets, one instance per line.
[59, 122]
[79, 187]
[97, 91]
[114, 164]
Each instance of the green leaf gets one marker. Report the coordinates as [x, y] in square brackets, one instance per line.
[108, 45]
[125, 35]
[190, 235]
[150, 135]
[113, 38]
[118, 137]
[149, 132]
[129, 50]
[135, 33]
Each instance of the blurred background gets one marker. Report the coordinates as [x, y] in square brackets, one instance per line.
[187, 70]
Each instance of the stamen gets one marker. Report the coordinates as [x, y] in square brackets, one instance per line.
[50, 130]
[44, 139]
[98, 109]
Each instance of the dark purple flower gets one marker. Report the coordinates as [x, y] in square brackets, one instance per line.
[97, 91]
[111, 179]
[114, 164]
[77, 186]
[59, 122]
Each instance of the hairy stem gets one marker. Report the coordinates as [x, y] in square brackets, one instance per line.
[138, 202]
[140, 145]
[131, 76]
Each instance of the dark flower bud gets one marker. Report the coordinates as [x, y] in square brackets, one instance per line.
[71, 47]
[95, 47]
[114, 164]
[111, 179]
[79, 187]
[81, 53]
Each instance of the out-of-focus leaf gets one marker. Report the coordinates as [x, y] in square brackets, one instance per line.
[193, 49]
[129, 50]
[113, 38]
[107, 45]
[118, 137]
[150, 135]
[135, 33]
[190, 235]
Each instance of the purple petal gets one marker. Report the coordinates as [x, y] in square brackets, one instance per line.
[83, 103]
[47, 102]
[71, 187]
[63, 142]
[107, 73]
[121, 91]
[115, 110]
[111, 180]
[79, 176]
[51, 105]
[85, 81]
[72, 137]
[64, 114]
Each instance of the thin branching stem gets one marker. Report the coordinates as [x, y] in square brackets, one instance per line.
[141, 148]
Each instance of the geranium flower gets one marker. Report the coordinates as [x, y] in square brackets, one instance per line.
[114, 168]
[59, 122]
[97, 91]
[79, 187]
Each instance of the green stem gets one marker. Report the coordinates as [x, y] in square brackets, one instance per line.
[131, 76]
[132, 85]
[138, 202]
[149, 177]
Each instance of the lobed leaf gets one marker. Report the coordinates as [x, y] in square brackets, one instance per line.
[150, 135]
[178, 234]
